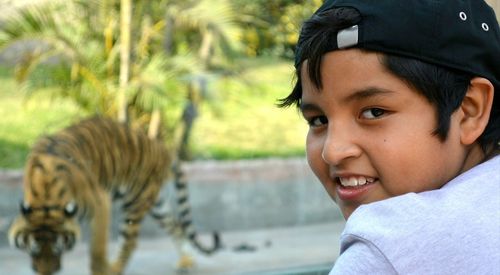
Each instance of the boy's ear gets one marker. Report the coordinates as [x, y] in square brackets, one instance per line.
[476, 108]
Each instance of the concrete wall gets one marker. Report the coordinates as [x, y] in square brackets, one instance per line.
[257, 193]
[225, 196]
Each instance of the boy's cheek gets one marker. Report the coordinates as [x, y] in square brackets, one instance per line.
[319, 167]
[314, 148]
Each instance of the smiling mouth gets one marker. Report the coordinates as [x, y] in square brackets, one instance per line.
[354, 188]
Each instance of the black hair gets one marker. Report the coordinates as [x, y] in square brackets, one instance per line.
[444, 88]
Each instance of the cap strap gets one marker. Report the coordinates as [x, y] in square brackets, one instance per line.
[348, 37]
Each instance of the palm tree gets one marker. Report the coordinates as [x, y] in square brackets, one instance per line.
[81, 68]
[91, 63]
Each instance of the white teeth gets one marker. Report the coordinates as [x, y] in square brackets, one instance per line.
[355, 181]
[351, 181]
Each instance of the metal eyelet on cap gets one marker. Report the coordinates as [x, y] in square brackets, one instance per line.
[463, 16]
[485, 27]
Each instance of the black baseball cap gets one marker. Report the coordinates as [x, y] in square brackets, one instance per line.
[458, 34]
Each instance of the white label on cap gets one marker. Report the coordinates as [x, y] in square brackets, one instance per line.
[347, 37]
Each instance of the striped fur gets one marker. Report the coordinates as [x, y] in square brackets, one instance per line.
[75, 174]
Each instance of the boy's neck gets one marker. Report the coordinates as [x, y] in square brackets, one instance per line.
[475, 156]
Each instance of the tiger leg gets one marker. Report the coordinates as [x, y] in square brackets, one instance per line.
[100, 224]
[134, 212]
[164, 215]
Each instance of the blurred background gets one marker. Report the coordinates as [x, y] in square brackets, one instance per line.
[213, 71]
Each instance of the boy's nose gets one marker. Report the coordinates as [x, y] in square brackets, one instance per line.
[339, 147]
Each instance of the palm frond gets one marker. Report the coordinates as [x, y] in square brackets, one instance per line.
[44, 27]
[151, 83]
[216, 16]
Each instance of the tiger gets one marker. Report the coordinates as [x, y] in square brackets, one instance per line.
[77, 173]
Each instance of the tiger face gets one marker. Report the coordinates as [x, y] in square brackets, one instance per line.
[44, 242]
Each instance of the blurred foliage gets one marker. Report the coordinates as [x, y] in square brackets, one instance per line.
[24, 120]
[243, 122]
[77, 43]
[272, 27]
[181, 52]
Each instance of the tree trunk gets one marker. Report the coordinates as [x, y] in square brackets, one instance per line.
[188, 117]
[125, 30]
[168, 39]
[154, 124]
[205, 52]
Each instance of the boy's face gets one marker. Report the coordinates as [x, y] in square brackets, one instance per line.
[369, 128]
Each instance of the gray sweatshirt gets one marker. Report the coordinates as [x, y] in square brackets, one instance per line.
[452, 230]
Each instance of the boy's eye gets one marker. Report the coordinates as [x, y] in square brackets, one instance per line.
[317, 121]
[372, 113]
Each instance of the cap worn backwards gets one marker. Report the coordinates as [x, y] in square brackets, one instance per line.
[458, 34]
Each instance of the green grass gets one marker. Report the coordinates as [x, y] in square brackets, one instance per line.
[244, 122]
[248, 124]
[21, 122]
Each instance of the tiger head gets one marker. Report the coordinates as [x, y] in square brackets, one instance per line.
[47, 225]
[44, 242]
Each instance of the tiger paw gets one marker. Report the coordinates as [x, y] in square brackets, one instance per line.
[100, 268]
[116, 269]
[185, 263]
[100, 272]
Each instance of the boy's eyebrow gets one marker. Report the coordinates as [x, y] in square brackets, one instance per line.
[368, 92]
[308, 107]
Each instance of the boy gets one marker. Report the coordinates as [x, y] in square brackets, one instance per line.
[402, 102]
